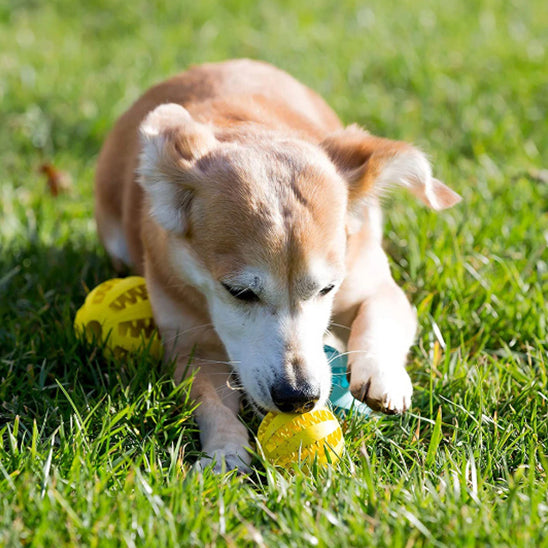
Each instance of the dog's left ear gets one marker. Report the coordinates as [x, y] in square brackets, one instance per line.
[371, 165]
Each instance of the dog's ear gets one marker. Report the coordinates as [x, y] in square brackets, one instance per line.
[372, 165]
[171, 142]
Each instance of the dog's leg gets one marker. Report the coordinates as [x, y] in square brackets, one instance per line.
[223, 437]
[197, 350]
[380, 337]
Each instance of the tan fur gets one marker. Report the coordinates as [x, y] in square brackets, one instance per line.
[257, 171]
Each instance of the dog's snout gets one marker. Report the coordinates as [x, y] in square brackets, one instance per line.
[289, 399]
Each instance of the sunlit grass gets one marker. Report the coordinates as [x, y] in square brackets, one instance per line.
[99, 453]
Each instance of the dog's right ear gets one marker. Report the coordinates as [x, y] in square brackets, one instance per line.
[171, 142]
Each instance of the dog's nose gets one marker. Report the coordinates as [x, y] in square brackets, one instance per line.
[294, 400]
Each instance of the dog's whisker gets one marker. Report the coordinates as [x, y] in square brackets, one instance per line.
[339, 325]
[213, 373]
[234, 386]
[224, 392]
[185, 331]
[224, 396]
[347, 353]
[200, 360]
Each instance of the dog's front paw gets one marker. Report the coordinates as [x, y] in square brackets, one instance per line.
[225, 460]
[386, 390]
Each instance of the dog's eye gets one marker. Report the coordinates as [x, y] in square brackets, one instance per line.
[326, 289]
[242, 294]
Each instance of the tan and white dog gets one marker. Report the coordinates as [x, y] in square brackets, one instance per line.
[254, 216]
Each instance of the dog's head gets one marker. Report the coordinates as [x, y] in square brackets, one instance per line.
[258, 224]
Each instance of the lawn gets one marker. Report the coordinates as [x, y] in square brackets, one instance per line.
[99, 453]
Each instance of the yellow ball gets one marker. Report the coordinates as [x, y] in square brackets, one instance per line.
[118, 311]
[288, 438]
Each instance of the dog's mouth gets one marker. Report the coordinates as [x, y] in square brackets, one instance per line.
[258, 409]
[234, 383]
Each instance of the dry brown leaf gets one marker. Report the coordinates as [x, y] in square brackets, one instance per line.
[57, 181]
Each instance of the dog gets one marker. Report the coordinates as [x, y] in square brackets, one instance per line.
[255, 217]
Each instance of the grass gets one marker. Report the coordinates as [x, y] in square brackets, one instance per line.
[98, 453]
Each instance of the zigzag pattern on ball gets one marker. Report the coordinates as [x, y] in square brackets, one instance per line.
[118, 313]
[293, 438]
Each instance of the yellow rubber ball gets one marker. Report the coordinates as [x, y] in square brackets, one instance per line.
[288, 438]
[118, 311]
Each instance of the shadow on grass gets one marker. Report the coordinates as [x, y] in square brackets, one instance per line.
[47, 375]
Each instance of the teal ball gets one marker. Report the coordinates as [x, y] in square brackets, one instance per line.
[341, 399]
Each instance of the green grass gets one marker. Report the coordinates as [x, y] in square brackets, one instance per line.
[98, 453]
